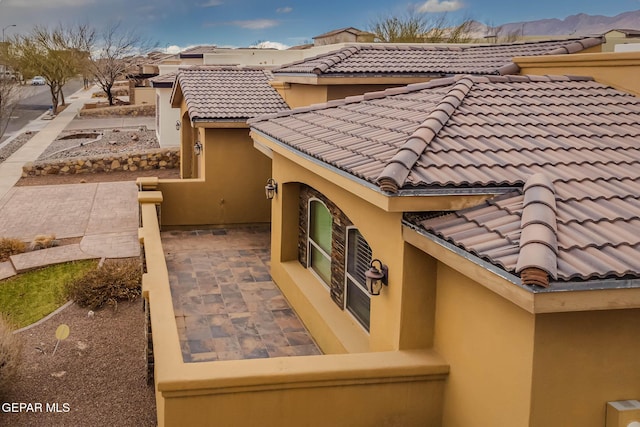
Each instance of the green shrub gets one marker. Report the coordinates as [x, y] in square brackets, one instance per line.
[9, 355]
[10, 247]
[114, 281]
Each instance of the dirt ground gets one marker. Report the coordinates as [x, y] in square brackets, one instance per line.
[96, 377]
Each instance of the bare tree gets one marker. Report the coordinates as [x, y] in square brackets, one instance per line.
[57, 54]
[119, 49]
[416, 27]
[9, 97]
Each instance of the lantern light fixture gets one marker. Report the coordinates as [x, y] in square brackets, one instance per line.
[271, 189]
[178, 125]
[376, 277]
[197, 148]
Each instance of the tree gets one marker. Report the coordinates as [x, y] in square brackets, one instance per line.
[9, 97]
[417, 27]
[57, 54]
[119, 50]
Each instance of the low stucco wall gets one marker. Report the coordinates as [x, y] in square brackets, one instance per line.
[156, 159]
[403, 388]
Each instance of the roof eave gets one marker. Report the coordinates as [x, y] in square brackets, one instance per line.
[591, 295]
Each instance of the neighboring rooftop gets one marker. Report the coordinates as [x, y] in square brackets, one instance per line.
[430, 60]
[474, 133]
[226, 93]
[164, 80]
[197, 51]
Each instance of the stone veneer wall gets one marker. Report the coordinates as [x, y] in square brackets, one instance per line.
[338, 239]
[90, 110]
[148, 160]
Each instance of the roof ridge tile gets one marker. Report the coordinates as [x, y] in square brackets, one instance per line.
[395, 173]
[538, 241]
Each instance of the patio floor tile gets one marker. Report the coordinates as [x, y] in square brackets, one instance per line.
[226, 305]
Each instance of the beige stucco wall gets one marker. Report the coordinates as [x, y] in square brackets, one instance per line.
[407, 303]
[489, 344]
[583, 360]
[619, 70]
[166, 118]
[301, 95]
[385, 388]
[145, 95]
[230, 184]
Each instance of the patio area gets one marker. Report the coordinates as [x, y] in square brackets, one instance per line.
[225, 303]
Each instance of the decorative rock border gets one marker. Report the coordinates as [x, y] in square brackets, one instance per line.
[168, 158]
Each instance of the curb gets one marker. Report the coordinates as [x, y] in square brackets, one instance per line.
[45, 318]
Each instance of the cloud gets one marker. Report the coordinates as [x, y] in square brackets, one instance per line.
[211, 3]
[288, 9]
[51, 4]
[271, 45]
[256, 24]
[436, 6]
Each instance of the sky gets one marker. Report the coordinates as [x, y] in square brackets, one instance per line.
[177, 24]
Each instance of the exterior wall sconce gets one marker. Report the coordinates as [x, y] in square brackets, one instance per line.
[197, 148]
[271, 189]
[376, 277]
[178, 125]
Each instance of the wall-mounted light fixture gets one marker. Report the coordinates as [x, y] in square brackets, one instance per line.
[197, 148]
[271, 189]
[178, 125]
[376, 277]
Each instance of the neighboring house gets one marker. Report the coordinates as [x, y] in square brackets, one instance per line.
[167, 118]
[617, 37]
[344, 35]
[162, 83]
[354, 70]
[223, 176]
[529, 289]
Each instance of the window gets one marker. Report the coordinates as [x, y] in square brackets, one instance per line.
[358, 256]
[319, 240]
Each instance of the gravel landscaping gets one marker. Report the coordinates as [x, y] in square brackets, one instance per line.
[97, 376]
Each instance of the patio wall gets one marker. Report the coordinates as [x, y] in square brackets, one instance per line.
[385, 388]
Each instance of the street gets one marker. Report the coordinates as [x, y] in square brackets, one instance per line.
[37, 100]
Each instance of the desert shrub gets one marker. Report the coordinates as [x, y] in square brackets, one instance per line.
[113, 281]
[43, 241]
[9, 354]
[10, 247]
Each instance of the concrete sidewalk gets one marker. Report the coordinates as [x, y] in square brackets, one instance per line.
[103, 215]
[11, 169]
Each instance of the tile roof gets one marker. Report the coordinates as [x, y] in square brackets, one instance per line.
[431, 60]
[351, 30]
[164, 80]
[471, 132]
[228, 93]
[197, 51]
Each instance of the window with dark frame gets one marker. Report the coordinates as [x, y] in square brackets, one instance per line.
[319, 240]
[358, 259]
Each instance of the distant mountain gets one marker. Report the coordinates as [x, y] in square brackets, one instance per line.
[580, 24]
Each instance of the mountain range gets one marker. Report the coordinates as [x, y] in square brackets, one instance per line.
[580, 24]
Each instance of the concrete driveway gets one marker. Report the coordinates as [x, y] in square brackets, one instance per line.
[104, 215]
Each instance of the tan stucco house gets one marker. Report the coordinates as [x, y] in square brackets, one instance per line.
[502, 206]
[356, 69]
[222, 175]
[504, 209]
